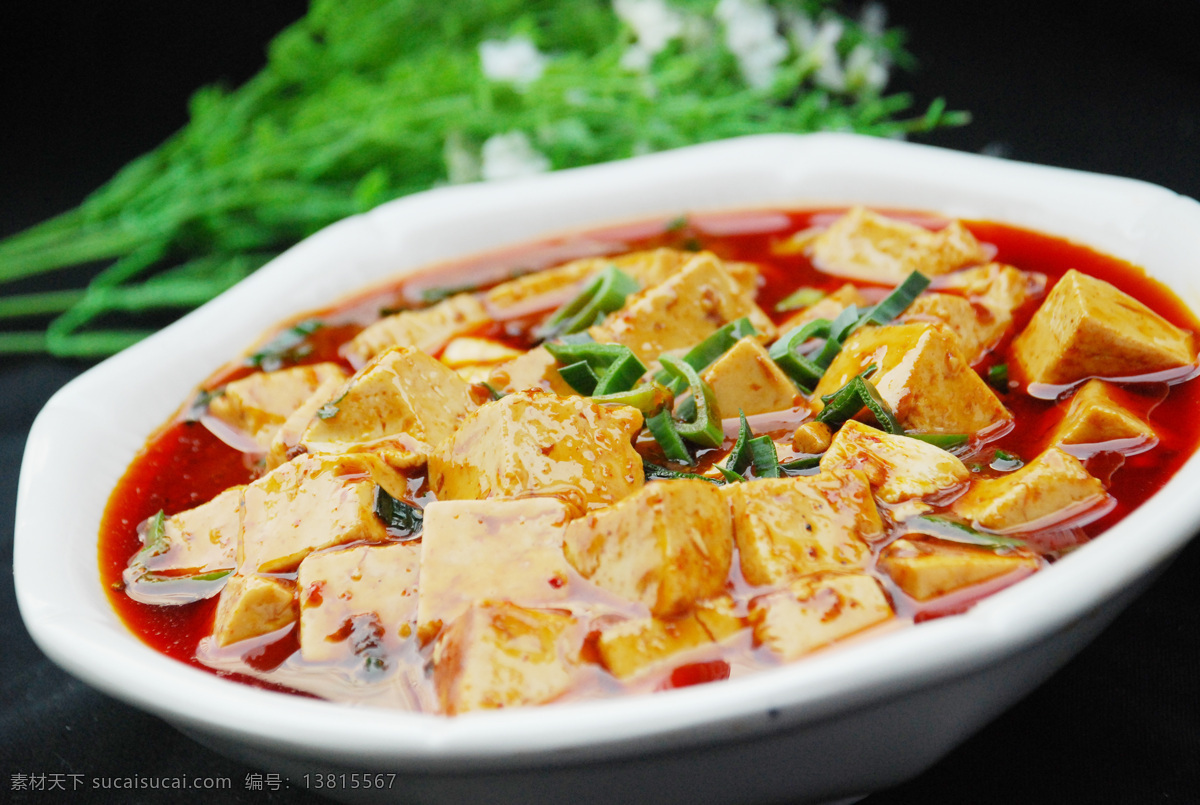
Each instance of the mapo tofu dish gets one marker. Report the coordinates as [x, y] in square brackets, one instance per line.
[649, 457]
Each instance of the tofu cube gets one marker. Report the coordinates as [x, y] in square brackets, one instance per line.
[428, 329]
[305, 505]
[922, 374]
[491, 550]
[555, 286]
[200, 540]
[536, 443]
[1052, 489]
[358, 603]
[633, 647]
[1088, 328]
[1096, 416]
[789, 527]
[285, 444]
[928, 568]
[826, 308]
[503, 655]
[254, 407]
[682, 311]
[666, 546]
[898, 467]
[536, 369]
[473, 351]
[746, 379]
[1001, 288]
[978, 329]
[867, 246]
[253, 606]
[403, 403]
[816, 610]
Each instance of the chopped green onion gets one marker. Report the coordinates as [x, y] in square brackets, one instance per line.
[662, 428]
[401, 519]
[330, 409]
[580, 376]
[730, 475]
[155, 537]
[801, 465]
[704, 354]
[839, 329]
[785, 352]
[654, 471]
[1003, 461]
[898, 300]
[847, 401]
[739, 457]
[593, 368]
[604, 294]
[649, 398]
[492, 390]
[946, 441]
[954, 531]
[705, 429]
[800, 298]
[998, 377]
[622, 374]
[763, 457]
[286, 347]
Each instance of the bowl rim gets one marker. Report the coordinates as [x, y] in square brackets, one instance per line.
[80, 438]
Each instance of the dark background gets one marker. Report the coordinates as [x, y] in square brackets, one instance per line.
[84, 88]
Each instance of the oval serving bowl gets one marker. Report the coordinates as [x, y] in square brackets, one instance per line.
[838, 724]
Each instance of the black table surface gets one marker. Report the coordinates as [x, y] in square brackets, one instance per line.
[87, 87]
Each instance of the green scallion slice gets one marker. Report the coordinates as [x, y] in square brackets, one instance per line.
[706, 353]
[954, 531]
[622, 374]
[799, 466]
[739, 457]
[847, 401]
[898, 300]
[656, 471]
[649, 398]
[763, 457]
[705, 428]
[946, 441]
[604, 294]
[662, 428]
[800, 298]
[785, 352]
[1004, 461]
[731, 476]
[839, 329]
[998, 377]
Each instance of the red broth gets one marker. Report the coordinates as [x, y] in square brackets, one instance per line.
[183, 464]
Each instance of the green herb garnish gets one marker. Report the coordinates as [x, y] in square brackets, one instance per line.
[663, 429]
[998, 377]
[954, 531]
[799, 299]
[287, 347]
[704, 428]
[946, 441]
[847, 401]
[401, 519]
[1004, 461]
[659, 472]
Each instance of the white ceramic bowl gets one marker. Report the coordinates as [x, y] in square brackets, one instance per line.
[838, 724]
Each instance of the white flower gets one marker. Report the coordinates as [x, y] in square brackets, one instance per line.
[818, 49]
[653, 21]
[462, 163]
[506, 156]
[873, 19]
[515, 61]
[865, 72]
[752, 36]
